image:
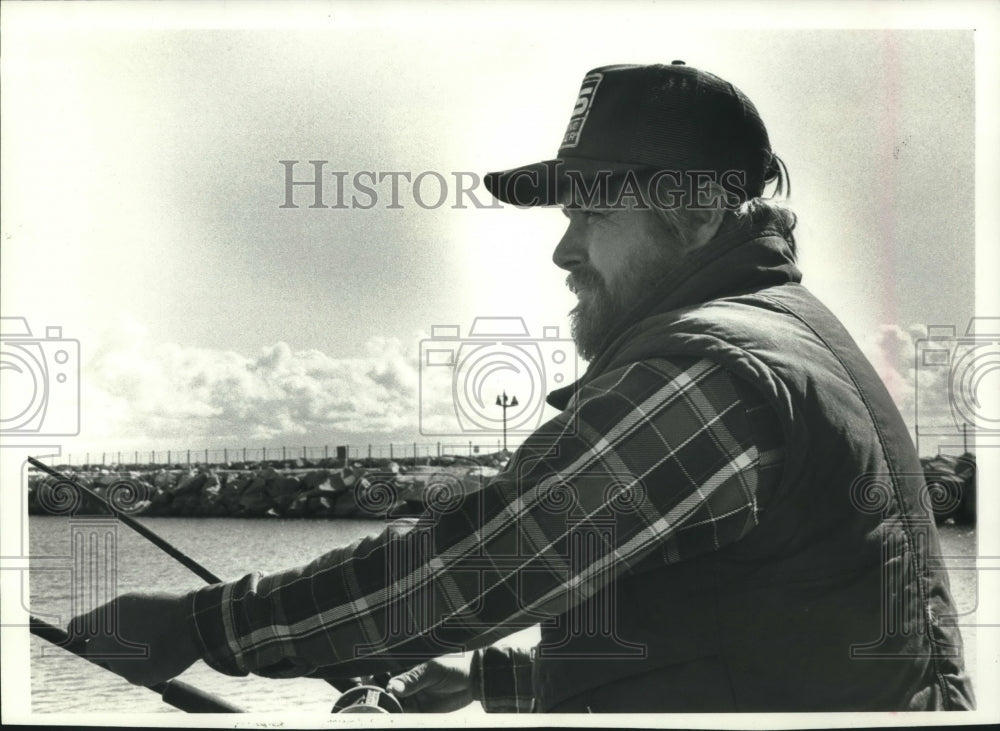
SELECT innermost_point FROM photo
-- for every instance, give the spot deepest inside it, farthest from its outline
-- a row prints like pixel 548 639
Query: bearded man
pixel 727 515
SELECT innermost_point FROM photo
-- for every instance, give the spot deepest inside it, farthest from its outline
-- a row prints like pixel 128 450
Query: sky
pixel 143 201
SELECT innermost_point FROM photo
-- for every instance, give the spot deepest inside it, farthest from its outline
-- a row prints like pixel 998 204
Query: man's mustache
pixel 583 278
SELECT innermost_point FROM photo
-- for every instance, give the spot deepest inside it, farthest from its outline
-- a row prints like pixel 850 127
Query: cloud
pixel 920 387
pixel 139 393
pixel 137 390
pixel 891 350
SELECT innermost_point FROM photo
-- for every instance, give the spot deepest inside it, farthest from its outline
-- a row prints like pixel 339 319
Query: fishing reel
pixel 367 696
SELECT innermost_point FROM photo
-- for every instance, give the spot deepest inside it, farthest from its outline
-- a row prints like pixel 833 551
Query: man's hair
pixel 755 213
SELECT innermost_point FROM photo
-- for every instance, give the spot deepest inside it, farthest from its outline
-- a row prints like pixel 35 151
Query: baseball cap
pixel 646 119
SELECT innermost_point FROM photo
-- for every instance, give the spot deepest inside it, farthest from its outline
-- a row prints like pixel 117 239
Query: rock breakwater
pixel 352 492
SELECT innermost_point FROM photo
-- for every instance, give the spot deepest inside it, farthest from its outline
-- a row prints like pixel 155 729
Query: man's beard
pixel 600 313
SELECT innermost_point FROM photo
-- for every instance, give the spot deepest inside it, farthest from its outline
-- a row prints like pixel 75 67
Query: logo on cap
pixel 588 90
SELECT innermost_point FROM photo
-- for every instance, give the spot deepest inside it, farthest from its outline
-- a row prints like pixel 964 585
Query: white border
pixel 983 16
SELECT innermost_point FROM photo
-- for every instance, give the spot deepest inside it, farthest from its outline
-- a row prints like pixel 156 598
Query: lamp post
pixel 505 404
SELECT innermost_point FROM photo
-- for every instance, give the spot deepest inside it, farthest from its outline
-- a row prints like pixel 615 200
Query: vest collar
pixel 742 258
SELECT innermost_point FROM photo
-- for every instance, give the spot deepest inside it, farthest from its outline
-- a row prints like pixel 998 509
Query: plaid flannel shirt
pixel 676 453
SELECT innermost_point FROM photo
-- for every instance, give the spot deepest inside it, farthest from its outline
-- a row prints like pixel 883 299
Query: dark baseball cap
pixel 647 119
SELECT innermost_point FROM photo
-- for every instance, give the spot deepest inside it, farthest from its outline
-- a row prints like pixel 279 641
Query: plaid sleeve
pixel 661 451
pixel 501 679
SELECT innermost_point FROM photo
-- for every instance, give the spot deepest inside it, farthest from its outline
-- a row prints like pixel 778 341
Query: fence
pixel 404 452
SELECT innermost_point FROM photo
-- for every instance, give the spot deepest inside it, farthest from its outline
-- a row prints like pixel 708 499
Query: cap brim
pixel 550 182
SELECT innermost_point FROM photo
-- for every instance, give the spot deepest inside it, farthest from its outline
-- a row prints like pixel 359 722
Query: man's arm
pixel 657 446
pixel 664 448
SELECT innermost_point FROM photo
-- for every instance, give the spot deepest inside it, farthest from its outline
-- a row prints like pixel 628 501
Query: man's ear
pixel 703 223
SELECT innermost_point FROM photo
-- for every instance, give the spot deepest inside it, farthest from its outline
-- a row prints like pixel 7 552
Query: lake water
pixel 231 547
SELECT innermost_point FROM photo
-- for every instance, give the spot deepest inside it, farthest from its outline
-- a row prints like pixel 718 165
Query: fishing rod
pixel 352 700
pixel 175 692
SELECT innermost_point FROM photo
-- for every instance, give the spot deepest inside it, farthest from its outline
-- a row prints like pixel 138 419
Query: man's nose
pixel 570 251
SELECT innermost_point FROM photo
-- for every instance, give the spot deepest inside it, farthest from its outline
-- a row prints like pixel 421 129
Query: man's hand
pixel 439 686
pixel 145 638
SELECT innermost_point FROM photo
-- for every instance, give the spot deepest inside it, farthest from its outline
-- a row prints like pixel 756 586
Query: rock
pixel 476 478
pixel 282 490
pixel 297 507
pixel 160 501
pixel 951 482
pixel 106 479
pixel 321 507
pixel 141 508
pixel 314 479
pixel 190 483
pixel 229 495
pixel 210 493
pixel 255 500
pixel 344 506
pixel 351 475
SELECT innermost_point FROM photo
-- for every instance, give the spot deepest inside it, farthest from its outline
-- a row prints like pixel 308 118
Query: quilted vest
pixel 833 601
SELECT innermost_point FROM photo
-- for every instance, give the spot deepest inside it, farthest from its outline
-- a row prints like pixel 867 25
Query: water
pixel 231 547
